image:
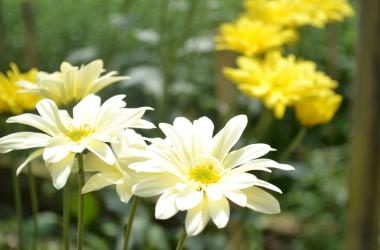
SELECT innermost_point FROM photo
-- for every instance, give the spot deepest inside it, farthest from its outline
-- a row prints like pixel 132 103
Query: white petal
pixel 23 140
pixel 262 164
pixel 166 205
pixel 228 136
pixel 202 135
pixel 267 185
pixel 188 198
pixel 85 112
pixel 233 181
pixel 49 111
pixel 245 154
pixel 154 186
pixel 214 192
pixel 36 122
pixel 219 211
pixel 124 190
pixel 236 196
pixel 30 158
pixel 261 201
pixel 197 218
pixel 60 171
pixel 101 180
pixel 102 150
pixel 56 150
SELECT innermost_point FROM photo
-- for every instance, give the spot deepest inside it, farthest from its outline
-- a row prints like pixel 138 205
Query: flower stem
pixel 81 204
pixel 182 239
pixel 131 217
pixel 66 217
pixel 293 144
pixel 34 200
pixel 18 204
pixel 264 123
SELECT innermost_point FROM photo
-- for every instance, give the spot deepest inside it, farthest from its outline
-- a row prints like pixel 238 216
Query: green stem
pixel 18 204
pixel 66 216
pixel 182 239
pixel 81 203
pixel 263 125
pixel 129 225
pixel 34 200
pixel 293 144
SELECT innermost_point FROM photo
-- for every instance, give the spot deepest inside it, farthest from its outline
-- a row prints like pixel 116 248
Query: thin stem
pixel 66 217
pixel 129 225
pixel 34 200
pixel 182 239
pixel 81 203
pixel 293 144
pixel 18 204
pixel 263 125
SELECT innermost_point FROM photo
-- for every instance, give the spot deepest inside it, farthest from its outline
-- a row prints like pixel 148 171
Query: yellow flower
pixel 317 109
pixel 293 13
pixel 12 101
pixel 252 37
pixel 278 81
pixel 72 84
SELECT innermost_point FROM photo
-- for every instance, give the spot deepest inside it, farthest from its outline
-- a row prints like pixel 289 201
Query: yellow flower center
pixel 77 134
pixel 204 174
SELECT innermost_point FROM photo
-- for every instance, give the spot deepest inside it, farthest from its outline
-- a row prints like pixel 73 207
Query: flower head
pixel 317 109
pixel 11 100
pixel 252 37
pixel 71 84
pixel 194 171
pixel 292 13
pixel 92 126
pixel 278 81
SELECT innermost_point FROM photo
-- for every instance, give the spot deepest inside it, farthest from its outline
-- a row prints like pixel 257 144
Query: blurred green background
pixel 166 46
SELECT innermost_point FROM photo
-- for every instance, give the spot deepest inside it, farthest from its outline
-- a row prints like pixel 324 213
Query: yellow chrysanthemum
pixel 252 37
pixel 293 13
pixel 12 101
pixel 278 81
pixel 317 109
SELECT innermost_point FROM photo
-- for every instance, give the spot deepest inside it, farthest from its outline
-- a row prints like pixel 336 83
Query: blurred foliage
pixel 166 46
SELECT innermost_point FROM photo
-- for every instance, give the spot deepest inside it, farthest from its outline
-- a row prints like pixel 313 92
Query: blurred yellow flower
pixel 72 84
pixel 252 37
pixel 278 81
pixel 293 13
pixel 12 101
pixel 317 109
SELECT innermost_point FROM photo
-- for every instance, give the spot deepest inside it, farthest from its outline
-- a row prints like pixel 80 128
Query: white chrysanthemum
pixel 93 126
pixel 71 84
pixel 194 171
pixel 128 149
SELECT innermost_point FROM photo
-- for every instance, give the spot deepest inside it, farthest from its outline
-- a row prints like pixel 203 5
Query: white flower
pixel 196 172
pixel 128 149
pixel 93 126
pixel 71 84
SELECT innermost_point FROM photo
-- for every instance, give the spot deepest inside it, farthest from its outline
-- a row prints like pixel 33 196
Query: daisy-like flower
pixel 194 171
pixel 278 81
pixel 11 100
pixel 71 84
pixel 93 126
pixel 251 37
pixel 129 148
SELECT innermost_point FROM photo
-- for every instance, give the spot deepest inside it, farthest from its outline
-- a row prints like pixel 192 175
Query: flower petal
pixel 197 218
pixel 219 211
pixel 262 164
pixel 30 158
pixel 102 150
pixel 124 190
pixel 261 201
pixel 236 196
pixel 153 186
pixel 245 154
pixel 233 181
pixel 85 112
pixel 50 112
pixel 23 140
pixel 188 197
pixel 166 205
pixel 101 180
pixel 34 121
pixel 60 171
pixel 228 136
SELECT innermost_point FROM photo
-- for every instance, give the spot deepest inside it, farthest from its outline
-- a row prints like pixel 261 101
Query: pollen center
pixel 204 173
pixel 77 134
